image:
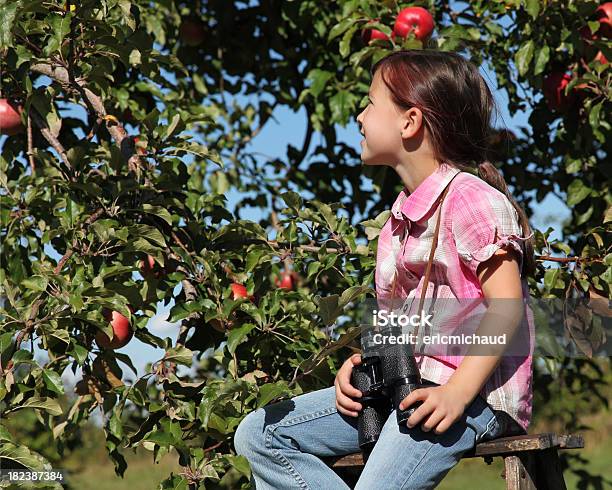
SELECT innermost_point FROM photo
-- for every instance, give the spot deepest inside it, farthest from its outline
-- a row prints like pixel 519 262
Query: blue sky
pixel 287 127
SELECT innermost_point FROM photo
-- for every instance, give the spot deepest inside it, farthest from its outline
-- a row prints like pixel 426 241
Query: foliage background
pixel 104 201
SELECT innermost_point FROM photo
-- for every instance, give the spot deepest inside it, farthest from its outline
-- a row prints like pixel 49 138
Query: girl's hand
pixel 344 388
pixel 442 406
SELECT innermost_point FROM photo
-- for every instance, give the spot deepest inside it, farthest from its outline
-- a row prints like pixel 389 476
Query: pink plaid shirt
pixel 476 221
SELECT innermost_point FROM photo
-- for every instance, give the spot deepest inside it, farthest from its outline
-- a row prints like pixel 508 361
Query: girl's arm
pixel 499 278
pixel 443 405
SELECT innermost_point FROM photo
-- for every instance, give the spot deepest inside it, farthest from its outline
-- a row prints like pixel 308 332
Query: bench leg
pixel 520 472
pixel 550 473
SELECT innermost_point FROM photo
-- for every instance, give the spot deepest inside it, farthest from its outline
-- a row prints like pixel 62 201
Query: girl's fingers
pixel 443 426
pixel 346 412
pixel 419 414
pixel 344 381
pixel 346 402
pixel 432 421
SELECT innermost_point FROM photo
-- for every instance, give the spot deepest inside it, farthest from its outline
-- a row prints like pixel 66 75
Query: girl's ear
pixel 412 119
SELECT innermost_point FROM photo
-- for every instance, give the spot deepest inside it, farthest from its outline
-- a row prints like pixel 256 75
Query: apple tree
pixel 130 122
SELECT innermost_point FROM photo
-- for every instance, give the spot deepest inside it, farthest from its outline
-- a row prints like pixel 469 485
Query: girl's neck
pixel 412 174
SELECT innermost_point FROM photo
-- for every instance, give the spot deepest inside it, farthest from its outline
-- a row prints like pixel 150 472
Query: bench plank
pixel 496 447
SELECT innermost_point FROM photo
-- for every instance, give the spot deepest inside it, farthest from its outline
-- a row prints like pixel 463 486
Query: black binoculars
pixel 387 374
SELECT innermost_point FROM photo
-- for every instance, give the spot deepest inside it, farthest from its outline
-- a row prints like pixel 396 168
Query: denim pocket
pixel 481 418
pixel 495 428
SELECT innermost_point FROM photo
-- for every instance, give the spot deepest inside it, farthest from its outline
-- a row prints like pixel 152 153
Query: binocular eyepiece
pixel 385 379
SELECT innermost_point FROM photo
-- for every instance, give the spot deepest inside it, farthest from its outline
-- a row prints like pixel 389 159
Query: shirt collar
pixel 413 206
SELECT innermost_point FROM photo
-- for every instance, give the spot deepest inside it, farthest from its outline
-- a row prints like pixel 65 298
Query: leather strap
pixel 432 252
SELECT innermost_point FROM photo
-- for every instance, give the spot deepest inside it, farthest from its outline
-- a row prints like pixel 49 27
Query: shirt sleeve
pixel 482 223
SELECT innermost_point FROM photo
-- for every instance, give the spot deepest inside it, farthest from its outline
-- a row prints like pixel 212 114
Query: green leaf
pixel 541 60
pixel 328 308
pixel 6 341
pixel 24 456
pixel 270 391
pixel 240 464
pixel 173 124
pixel 292 200
pixel 352 294
pixel 319 80
pixel 5 435
pixel 60 27
pixel 35 283
pixel 345 43
pixel 158 211
pixel 550 278
pixel 135 58
pixel 79 353
pixel 149 232
pixel 53 381
pixel 524 56
pixel 115 426
pixel 237 336
pixel 161 438
pixel 533 7
pixel 577 192
pixel 253 258
pixel 341 27
pixel 8 12
pixel 174 482
pixel 339 105
pixel 594 115
pixel 373 226
pixel 180 355
pixel 43 403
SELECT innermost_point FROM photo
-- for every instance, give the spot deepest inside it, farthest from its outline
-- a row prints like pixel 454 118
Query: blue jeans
pixel 284 442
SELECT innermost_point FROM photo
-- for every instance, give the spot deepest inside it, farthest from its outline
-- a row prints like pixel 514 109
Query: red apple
pixel 10 117
pixel 239 291
pixel 285 281
pixel 415 19
pixel 604 16
pixel 368 35
pixel 554 90
pixel 122 330
pixel 601 58
pixel 139 149
pixel 191 31
pixel 148 267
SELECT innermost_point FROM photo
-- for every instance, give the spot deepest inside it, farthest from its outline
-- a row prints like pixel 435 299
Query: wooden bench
pixel 530 461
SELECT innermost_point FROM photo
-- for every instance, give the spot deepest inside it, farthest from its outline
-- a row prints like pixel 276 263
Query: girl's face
pixel 381 125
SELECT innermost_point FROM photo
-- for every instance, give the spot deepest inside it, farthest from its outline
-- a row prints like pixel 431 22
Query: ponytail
pixel 489 173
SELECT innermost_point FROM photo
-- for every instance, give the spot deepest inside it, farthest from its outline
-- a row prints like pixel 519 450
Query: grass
pixel 142 473
pixel 92 469
pixel 595 459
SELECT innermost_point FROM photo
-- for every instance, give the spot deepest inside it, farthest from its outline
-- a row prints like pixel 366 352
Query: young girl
pixel 429 119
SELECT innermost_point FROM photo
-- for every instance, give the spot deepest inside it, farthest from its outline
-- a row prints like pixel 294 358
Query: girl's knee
pixel 249 435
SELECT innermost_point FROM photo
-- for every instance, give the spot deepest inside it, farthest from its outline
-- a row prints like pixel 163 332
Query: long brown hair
pixel 457 106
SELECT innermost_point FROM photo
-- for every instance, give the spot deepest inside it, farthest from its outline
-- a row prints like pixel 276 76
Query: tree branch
pixel 564 260
pixel 53 141
pixel 30 146
pixel 95 105
pixel 99 212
